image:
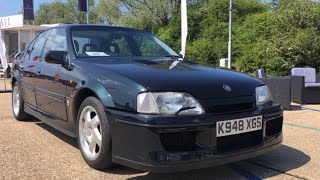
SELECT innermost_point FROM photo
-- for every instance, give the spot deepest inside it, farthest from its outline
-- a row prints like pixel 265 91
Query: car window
pixel 33 52
pixel 122 44
pixel 105 41
pixel 88 44
pixel 57 41
pixel 148 46
pixel 27 51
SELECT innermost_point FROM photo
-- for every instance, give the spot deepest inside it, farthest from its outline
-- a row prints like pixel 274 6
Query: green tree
pixel 63 12
pixel 283 37
pixel 145 14
pixel 209 24
pixel 296 33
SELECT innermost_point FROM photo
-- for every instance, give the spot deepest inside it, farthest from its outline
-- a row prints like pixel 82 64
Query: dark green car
pixel 130 99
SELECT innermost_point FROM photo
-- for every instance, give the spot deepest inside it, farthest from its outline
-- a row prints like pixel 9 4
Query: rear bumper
pixel 171 144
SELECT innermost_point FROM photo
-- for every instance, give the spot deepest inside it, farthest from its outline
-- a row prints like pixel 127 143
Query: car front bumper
pixel 170 144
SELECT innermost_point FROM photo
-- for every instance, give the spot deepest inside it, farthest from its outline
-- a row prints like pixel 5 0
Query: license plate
pixel 238 126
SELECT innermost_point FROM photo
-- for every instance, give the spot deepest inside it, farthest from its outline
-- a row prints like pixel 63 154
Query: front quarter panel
pixel 79 81
pixel 123 90
pixel 114 90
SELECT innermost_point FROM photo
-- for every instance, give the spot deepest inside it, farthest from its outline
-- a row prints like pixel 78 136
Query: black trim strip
pixel 27 86
pixel 50 94
pixel 165 126
pixel 54 122
pixel 44 113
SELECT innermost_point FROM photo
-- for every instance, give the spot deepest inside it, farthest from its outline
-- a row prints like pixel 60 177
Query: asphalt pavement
pixel 34 150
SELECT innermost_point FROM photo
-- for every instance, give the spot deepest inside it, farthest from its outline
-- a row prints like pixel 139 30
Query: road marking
pixel 306 108
pixel 302 126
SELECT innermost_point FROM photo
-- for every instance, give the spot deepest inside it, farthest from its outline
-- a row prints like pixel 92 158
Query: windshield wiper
pixel 173 56
pixel 180 57
pixel 183 109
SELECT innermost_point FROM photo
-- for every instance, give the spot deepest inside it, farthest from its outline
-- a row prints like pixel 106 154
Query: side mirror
pixel 56 57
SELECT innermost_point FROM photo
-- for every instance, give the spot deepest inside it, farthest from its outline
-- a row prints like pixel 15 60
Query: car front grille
pixel 229 105
pixel 231 108
pixel 239 141
pixel 274 126
pixel 179 141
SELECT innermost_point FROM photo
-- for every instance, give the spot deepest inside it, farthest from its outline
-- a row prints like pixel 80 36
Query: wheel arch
pixel 81 96
pixel 13 81
pixel 15 78
pixel 100 93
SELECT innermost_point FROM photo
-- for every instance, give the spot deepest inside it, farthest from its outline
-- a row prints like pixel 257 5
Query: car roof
pixel 94 25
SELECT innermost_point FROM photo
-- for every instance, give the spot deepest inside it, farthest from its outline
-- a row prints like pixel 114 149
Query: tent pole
pixel 230 37
pixel 87 11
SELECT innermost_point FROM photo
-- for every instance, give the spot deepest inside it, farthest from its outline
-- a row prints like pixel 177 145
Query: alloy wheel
pixel 90 132
pixel 16 100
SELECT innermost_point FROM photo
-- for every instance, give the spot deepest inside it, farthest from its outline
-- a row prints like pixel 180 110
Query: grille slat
pixel 229 105
pixel 231 108
pixel 239 141
pixel 179 140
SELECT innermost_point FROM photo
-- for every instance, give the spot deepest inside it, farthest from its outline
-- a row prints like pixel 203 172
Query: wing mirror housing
pixel 56 57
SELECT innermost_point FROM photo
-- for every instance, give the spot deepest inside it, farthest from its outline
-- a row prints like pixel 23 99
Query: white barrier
pixel 3 81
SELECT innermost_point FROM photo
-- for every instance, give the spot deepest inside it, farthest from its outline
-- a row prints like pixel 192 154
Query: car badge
pixel 227 88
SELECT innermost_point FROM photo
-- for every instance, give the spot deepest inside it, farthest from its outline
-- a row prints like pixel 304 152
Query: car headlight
pixel 168 103
pixel 263 95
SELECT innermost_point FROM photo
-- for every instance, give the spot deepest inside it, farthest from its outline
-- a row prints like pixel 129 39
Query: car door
pixel 51 78
pixel 27 66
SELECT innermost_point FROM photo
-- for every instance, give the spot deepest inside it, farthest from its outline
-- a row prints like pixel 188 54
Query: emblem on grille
pixel 227 88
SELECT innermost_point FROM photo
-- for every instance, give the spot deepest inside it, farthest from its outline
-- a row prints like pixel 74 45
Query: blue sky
pixel 13 7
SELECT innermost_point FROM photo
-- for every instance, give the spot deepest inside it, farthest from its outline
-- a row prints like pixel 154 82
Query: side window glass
pixel 35 49
pixel 57 41
pixel 27 51
pixel 79 43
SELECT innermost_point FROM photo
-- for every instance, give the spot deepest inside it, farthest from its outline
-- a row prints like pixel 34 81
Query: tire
pixel 18 104
pixel 93 134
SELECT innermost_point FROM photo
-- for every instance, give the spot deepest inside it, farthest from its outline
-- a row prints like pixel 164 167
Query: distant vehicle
pixel 130 99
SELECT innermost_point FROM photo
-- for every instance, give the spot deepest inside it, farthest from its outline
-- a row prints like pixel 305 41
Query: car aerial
pixel 130 99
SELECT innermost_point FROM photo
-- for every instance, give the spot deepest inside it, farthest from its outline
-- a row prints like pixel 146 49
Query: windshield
pixel 117 42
